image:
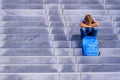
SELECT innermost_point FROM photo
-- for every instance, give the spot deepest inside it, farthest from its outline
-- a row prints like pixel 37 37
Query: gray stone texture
pixel 40 40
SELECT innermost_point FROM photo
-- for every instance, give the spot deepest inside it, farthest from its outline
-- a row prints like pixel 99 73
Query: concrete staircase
pixel 40 40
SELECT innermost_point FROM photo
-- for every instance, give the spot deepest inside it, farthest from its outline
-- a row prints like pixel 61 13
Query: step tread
pixel 99 68
pixel 113 7
pixel 23 24
pixel 52 52
pixel 82 6
pixel 32 76
pixel 27 60
pixel 99 76
pixel 27 52
pixel 98 60
pixel 102 24
pixel 23 18
pixel 79 17
pixel 22 2
pixel 81 2
pixel 83 12
pixel 112 2
pixel 21 6
pixel 22 12
pixel 28 68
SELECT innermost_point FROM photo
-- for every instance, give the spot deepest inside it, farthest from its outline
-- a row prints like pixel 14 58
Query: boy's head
pixel 88 19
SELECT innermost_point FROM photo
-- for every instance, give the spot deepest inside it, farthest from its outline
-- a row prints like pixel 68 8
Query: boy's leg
pixel 94 31
pixel 83 32
pixel 89 31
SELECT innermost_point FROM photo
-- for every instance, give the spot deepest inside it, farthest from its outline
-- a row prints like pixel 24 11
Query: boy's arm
pixel 83 25
pixel 95 24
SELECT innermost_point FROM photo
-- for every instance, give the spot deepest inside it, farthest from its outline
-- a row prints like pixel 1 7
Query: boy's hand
pixel 89 26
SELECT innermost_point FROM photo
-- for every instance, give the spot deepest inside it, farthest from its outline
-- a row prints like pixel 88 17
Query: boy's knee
pixel 83 29
pixel 95 29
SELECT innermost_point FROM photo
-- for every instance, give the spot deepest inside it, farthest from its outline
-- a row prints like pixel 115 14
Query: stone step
pixel 113 7
pixel 77 37
pixel 27 52
pixel 53 37
pixel 112 2
pixel 21 6
pixel 114 12
pixel 79 17
pixel 25 44
pixel 52 2
pixel 100 76
pixel 48 68
pixel 105 52
pixel 97 60
pixel 76 30
pixel 83 12
pixel 82 6
pixel 23 18
pixel 25 37
pixel 99 68
pixel 102 44
pixel 76 24
pixel 60 30
pixel 119 32
pixel 56 44
pixel 76 16
pixel 110 44
pixel 54 12
pixel 117 23
pixel 32 76
pixel 62 44
pixel 23 60
pixel 48 23
pixel 37 60
pixel 21 2
pixel 119 35
pixel 36 52
pixel 23 24
pixel 64 51
pixel 116 18
pixel 55 24
pixel 28 60
pixel 61 68
pixel 101 24
pixel 61 76
pixel 57 18
pixel 63 37
pixel 22 12
pixel 51 6
pixel 88 60
pixel 101 31
pixel 6 30
pixel 81 2
pixel 76 44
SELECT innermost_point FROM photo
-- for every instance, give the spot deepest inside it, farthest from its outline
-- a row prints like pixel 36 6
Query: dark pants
pixel 88 32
